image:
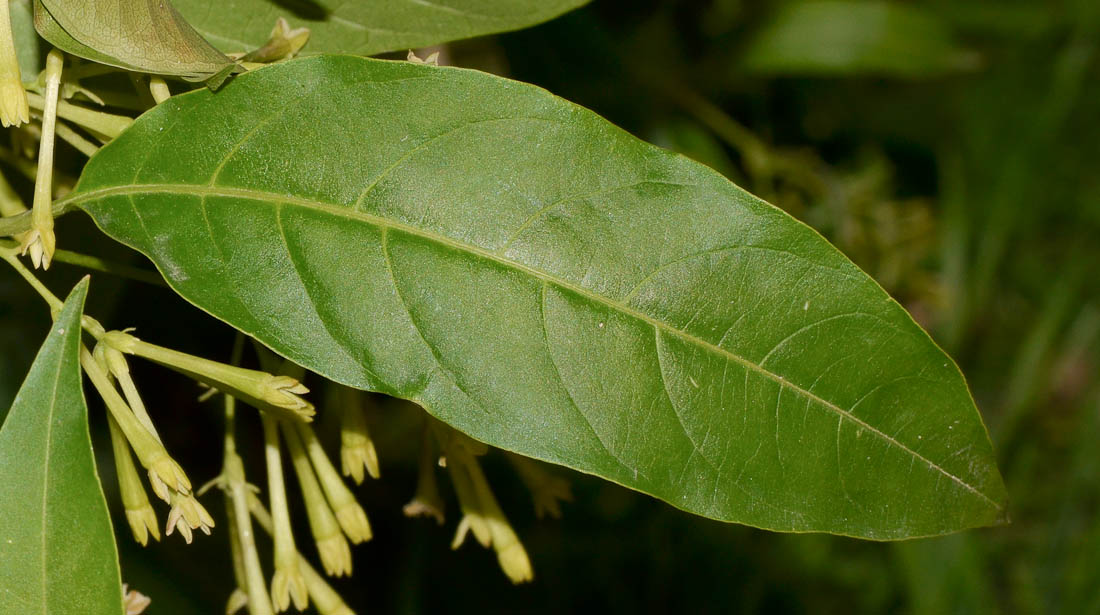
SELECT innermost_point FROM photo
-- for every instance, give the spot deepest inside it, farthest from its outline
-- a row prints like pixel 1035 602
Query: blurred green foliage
pixel 949 148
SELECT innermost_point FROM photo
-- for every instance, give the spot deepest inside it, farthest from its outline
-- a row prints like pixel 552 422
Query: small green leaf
pixel 842 37
pixel 56 542
pixel 550 285
pixel 142 35
pixel 366 27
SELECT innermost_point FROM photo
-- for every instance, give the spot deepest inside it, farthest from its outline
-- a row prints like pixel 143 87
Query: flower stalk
pixel 426 502
pixel 259 603
pixel 115 363
pixel 41 242
pixel 327 601
pixel 103 126
pixel 287 583
pixel 247 567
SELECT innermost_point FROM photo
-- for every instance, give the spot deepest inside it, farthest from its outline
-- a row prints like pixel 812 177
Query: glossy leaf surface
pixel 550 285
pixel 142 35
pixel 56 542
pixel 366 27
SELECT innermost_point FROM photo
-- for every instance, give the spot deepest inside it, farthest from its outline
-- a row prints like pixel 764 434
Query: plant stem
pixel 12 257
pixel 89 324
pixel 98 264
pixel 246 557
pixel 105 126
pixel 74 139
pixel 14 225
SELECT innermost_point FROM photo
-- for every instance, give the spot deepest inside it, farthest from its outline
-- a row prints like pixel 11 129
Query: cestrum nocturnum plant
pixel 535 284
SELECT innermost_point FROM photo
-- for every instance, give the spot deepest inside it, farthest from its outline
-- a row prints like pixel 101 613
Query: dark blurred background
pixel 949 148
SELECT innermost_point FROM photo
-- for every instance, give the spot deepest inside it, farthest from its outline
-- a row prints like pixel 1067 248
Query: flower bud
pixel 288 584
pixel 356 447
pixel 278 394
pixel 331 544
pixel 135 502
pixel 13 98
pixel 350 515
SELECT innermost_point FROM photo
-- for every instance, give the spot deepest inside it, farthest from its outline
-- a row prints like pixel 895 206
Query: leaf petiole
pixel 105 126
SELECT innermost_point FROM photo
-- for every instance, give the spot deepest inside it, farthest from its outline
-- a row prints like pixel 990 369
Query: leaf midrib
pixel 386 223
pixel 46 473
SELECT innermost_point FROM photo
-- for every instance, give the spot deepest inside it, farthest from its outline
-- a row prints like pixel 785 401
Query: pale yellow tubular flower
pixel 188 511
pixel 237 601
pixel 473 517
pixel 41 242
pixel 331 544
pixel 139 513
pixel 456 450
pixel 356 446
pixel 426 502
pixel 327 601
pixel 431 60
pixel 164 472
pixel 510 552
pixel 295 38
pixel 179 525
pixel 278 394
pixel 165 475
pixel 134 602
pixel 287 583
pixel 547 490
pixel 13 98
pixel 350 515
pixel 99 353
pixel 284 43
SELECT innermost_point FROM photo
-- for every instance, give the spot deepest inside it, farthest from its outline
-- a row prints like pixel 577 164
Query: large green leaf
pixel 365 26
pixel 56 545
pixel 855 37
pixel 551 285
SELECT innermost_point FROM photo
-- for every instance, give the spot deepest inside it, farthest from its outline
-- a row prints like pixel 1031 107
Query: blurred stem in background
pixel 1010 195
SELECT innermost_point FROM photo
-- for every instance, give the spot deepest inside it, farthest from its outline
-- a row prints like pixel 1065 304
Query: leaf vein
pixel 384 224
